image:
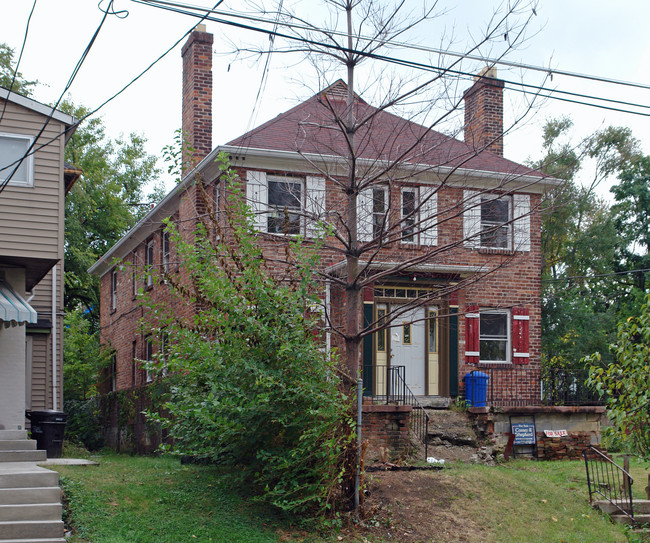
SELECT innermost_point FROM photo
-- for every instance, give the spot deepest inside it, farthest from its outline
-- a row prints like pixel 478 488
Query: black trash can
pixel 48 428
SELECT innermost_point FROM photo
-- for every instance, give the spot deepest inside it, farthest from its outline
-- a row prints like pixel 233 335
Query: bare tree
pixel 368 157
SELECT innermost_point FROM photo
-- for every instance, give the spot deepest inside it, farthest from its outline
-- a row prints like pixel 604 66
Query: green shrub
pixel 256 391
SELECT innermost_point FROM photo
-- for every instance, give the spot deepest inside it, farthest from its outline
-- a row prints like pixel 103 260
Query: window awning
pixel 13 307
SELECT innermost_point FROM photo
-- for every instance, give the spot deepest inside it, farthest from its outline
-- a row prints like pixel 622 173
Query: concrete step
pixel 12 434
pixel 22 456
pixel 39 494
pixel 17 445
pixel 638 519
pixel 28 478
pixel 448 427
pixel 31 529
pixel 641 507
pixel 30 511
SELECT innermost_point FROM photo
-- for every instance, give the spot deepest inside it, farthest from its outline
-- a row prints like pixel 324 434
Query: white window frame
pixel 166 250
pixel 492 228
pixel 275 212
pixel 368 219
pixel 312 201
pixel 114 289
pixel 28 162
pixel 410 219
pixel 148 261
pixel 148 357
pixel 508 338
pixel 518 237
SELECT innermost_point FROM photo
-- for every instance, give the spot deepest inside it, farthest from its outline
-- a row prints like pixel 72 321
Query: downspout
pixel 328 313
pixel 54 330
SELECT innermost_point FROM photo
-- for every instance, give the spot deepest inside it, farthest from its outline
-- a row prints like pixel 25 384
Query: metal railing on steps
pixel 387 385
pixel 608 480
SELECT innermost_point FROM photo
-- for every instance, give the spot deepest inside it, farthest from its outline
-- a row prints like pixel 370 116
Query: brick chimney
pixel 197 95
pixel 484 112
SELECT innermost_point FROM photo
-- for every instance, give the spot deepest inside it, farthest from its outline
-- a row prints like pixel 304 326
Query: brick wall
pixel 484 113
pixel 387 427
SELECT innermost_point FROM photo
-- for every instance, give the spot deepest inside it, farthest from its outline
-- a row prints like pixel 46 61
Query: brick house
pixel 463 232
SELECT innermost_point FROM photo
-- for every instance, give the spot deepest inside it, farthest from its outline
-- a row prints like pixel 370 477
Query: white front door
pixel 407 347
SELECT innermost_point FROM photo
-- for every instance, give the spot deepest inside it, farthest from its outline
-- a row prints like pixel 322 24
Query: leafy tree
pixel 255 392
pixel 9 79
pixel 625 382
pixel 579 241
pixel 632 220
pixel 102 205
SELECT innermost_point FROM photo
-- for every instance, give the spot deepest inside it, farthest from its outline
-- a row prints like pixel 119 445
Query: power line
pixel 171 6
pixel 33 149
pixel 75 71
pixel 22 48
pixel 488 60
pixel 597 276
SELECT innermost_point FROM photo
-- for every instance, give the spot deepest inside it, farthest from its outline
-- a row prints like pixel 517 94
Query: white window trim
pixel 519 226
pixel 312 201
pixel 148 261
pixel 114 289
pixel 28 162
pixel 365 212
pixel 415 216
pixel 505 312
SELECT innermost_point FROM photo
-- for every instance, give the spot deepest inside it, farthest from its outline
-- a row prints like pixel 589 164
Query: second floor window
pixel 286 204
pixel 285 196
pixel 496 214
pixel 12 148
pixel 148 262
pixel 114 289
pixel 166 251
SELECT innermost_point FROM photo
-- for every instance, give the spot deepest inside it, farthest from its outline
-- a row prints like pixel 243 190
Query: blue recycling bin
pixel 476 384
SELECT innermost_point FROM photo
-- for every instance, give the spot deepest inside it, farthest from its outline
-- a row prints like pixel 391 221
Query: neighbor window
pixel 495 213
pixel 494 336
pixel 114 373
pixel 285 196
pixel 379 208
pixel 165 250
pixel 114 289
pixel 12 149
pixel 148 262
pixel 148 356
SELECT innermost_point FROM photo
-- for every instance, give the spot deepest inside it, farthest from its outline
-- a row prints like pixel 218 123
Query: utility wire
pixel 22 48
pixel 160 4
pixel 488 60
pixel 75 71
pixel 597 276
pixel 32 149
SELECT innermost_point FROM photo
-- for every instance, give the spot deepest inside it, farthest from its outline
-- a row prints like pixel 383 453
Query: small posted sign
pixel 524 433
pixel 555 433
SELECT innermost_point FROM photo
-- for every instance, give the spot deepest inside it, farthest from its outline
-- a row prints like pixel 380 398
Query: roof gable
pixel 310 127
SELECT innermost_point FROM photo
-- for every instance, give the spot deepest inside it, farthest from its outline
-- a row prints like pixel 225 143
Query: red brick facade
pixel 463 270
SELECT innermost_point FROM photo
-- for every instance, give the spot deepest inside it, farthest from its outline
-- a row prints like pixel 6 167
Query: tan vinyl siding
pixel 41 399
pixel 42 303
pixel 31 218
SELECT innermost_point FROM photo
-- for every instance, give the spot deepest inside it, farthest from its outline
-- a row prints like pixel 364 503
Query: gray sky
pixel 586 36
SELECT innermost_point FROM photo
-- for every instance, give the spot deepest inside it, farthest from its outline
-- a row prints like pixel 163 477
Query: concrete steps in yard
pixel 641 515
pixel 30 497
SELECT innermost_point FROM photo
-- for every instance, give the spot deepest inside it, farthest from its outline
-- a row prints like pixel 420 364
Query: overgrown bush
pixel 257 392
pixel 626 382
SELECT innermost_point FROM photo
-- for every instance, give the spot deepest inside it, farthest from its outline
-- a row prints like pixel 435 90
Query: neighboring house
pixel 493 321
pixel 32 206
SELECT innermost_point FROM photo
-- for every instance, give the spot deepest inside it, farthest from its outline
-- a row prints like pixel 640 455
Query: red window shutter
pixel 472 322
pixel 520 333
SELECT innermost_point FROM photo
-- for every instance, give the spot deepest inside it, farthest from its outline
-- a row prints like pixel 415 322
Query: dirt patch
pixel 418 506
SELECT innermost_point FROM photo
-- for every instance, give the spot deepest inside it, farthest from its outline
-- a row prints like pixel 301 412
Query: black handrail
pixel 387 384
pixel 609 480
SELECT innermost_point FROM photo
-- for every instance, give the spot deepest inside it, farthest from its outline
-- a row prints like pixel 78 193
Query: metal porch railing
pixel 387 385
pixel 609 480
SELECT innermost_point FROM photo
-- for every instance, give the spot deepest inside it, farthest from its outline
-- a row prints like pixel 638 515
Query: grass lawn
pixel 149 499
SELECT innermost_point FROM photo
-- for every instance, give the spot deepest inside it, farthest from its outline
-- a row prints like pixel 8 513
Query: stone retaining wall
pixel 582 423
